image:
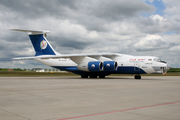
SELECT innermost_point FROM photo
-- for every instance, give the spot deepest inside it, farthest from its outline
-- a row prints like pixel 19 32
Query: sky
pixel 134 27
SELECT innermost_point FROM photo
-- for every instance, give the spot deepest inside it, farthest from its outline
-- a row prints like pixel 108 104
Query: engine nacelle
pixel 93 66
pixel 110 66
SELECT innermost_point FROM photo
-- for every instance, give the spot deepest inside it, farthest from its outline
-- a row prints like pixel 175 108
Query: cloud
pixel 82 26
pixel 117 10
pixel 157 18
pixel 151 43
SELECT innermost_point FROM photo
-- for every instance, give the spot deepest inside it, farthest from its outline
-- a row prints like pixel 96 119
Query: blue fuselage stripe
pixel 121 70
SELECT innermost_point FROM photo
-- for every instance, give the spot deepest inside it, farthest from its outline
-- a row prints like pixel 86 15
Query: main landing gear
pixel 84 76
pixel 137 77
pixel 92 76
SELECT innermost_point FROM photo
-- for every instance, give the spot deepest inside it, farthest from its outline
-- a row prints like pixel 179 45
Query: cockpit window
pixel 158 60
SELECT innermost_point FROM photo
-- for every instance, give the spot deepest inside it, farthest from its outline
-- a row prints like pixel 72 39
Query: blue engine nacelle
pixel 95 66
pixel 110 66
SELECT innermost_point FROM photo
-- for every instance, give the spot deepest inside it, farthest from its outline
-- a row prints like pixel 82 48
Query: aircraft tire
pixel 137 77
pixel 102 76
pixel 93 76
pixel 84 76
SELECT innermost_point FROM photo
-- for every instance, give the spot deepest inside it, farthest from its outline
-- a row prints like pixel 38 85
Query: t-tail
pixel 39 42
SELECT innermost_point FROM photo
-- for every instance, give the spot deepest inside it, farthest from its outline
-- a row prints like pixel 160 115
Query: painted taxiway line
pixel 83 116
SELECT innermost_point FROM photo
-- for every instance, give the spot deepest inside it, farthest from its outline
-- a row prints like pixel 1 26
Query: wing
pixel 78 58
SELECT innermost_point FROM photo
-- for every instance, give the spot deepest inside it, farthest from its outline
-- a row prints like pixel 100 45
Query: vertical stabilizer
pixel 41 45
pixel 39 42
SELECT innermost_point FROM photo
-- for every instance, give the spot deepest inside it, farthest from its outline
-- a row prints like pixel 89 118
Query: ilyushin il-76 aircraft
pixel 93 65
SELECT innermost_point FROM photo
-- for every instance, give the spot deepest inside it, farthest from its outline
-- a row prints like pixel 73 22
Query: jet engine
pixel 110 65
pixel 93 66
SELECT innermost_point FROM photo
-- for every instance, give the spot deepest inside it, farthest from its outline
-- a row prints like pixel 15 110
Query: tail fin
pixel 39 42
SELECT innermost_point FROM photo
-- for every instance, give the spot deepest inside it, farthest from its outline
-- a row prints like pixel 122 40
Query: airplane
pixel 92 65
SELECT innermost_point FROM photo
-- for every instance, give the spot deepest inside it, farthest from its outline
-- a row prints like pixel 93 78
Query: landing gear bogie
pixel 84 76
pixel 92 76
pixel 102 76
pixel 137 77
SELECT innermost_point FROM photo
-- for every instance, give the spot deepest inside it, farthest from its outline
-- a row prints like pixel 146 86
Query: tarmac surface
pixel 72 98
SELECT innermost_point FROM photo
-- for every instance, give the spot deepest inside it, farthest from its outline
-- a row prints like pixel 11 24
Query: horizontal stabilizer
pixel 32 32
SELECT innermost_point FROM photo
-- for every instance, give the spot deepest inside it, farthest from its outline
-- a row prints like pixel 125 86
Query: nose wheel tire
pixel 137 77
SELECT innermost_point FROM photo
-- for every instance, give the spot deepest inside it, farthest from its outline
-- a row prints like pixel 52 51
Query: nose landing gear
pixel 137 77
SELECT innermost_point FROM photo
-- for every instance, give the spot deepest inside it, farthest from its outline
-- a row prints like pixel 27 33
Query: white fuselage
pixel 149 64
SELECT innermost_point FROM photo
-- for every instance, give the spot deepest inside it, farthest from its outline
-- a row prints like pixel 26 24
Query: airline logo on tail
pixel 43 44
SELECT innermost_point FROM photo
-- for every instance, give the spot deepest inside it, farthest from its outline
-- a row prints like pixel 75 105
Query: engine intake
pixel 110 66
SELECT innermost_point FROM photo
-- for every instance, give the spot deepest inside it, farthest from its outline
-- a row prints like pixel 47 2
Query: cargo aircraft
pixel 93 65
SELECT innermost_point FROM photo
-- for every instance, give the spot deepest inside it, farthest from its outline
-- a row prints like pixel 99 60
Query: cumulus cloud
pixel 151 43
pixel 157 18
pixel 84 26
